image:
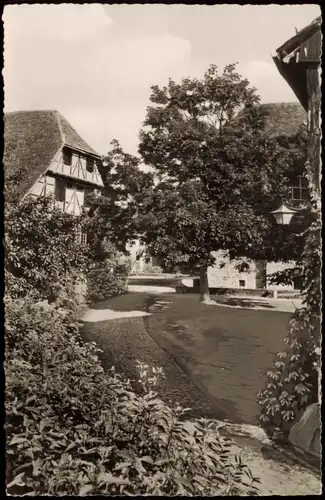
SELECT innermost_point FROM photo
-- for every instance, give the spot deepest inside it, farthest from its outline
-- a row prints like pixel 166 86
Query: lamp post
pixel 283 215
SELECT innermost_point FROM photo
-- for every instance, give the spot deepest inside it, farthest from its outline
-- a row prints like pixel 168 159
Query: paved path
pixel 280 472
pixel 98 315
pixel 151 289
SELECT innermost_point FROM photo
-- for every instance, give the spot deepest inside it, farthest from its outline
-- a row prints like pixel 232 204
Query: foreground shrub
pixel 74 430
pixel 293 383
pixel 107 278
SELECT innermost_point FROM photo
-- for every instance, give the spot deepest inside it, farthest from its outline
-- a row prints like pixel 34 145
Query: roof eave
pixel 84 151
pixel 301 37
pixel 289 73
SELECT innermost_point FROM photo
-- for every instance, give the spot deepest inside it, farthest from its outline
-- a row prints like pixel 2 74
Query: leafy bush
pixel 293 384
pixel 74 430
pixel 41 248
pixel 107 278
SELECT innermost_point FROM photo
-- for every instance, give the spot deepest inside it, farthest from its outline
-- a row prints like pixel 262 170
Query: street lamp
pixel 283 215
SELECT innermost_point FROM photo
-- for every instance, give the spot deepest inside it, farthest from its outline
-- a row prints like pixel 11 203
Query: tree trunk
pixel 204 286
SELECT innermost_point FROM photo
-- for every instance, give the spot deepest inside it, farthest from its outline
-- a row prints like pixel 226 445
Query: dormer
pixel 79 165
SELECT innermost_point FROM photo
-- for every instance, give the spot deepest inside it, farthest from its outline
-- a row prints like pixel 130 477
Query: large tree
pixel 111 219
pixel 217 173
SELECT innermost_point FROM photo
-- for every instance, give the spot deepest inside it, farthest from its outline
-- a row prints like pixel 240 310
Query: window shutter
pixel 69 201
pixel 79 201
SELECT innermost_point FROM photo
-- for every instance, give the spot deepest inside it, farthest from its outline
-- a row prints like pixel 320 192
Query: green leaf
pixel 43 423
pixel 147 459
pixel 124 454
pixel 122 466
pixel 107 478
pixel 37 464
pixel 17 440
pixel 17 481
pixel 86 489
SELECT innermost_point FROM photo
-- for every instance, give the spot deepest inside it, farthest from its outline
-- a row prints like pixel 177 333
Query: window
pixel 89 165
pixel 300 191
pixel 242 283
pixel 67 157
pixel 59 190
pixel 81 238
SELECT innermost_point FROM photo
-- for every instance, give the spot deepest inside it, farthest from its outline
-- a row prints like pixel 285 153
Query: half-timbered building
pixel 49 157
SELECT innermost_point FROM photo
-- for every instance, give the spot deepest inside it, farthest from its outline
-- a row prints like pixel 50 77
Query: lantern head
pixel 283 215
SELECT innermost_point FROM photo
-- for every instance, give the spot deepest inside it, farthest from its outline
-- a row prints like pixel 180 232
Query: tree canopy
pixel 218 174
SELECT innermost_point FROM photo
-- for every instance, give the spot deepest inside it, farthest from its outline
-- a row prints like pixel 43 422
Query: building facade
pixel 50 157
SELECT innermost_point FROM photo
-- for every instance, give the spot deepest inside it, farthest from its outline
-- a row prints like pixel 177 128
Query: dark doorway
pixel 260 273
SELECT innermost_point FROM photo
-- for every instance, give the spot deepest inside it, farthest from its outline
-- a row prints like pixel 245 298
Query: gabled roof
pixel 72 138
pixel 31 140
pixel 278 118
pixel 297 54
pixel 302 36
pixel 283 118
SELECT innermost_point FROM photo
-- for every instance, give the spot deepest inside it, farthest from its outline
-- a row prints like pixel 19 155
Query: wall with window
pixel 73 164
pixel 257 277
pixel 228 276
pixel 69 196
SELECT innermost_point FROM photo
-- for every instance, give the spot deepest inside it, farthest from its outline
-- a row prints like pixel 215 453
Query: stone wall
pixel 228 276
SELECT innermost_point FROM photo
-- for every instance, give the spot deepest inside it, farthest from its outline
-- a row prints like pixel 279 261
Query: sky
pixel 95 63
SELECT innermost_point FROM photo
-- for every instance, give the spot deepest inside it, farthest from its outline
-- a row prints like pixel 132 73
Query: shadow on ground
pixel 243 302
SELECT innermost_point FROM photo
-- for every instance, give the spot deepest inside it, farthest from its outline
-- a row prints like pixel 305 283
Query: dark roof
pixel 283 118
pixel 275 119
pixel 297 54
pixel 299 38
pixel 72 138
pixel 32 138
